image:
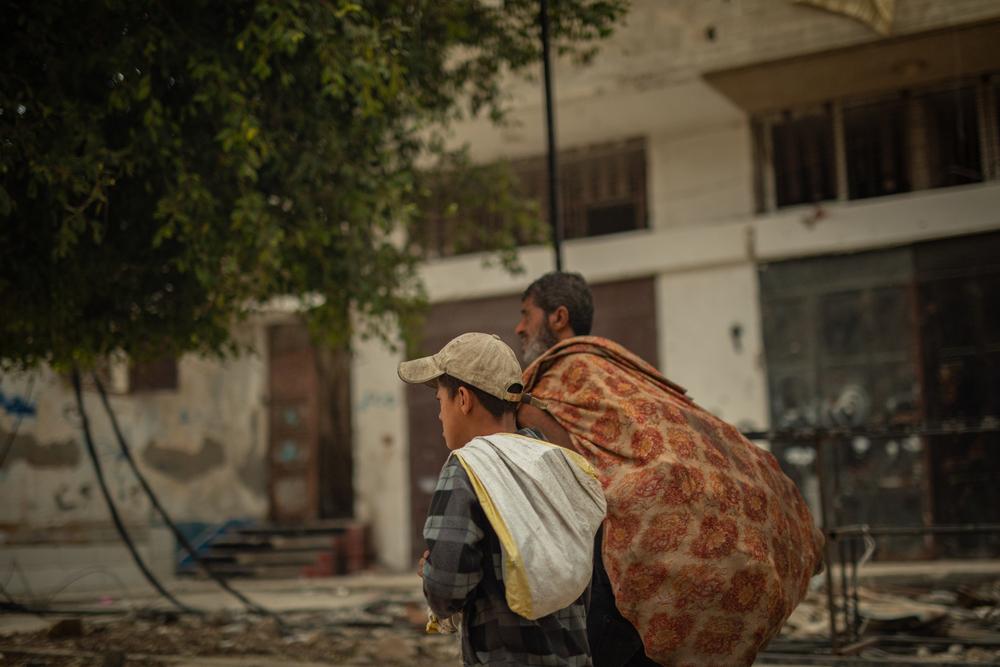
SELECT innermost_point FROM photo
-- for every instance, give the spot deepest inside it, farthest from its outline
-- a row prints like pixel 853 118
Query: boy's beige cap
pixel 481 360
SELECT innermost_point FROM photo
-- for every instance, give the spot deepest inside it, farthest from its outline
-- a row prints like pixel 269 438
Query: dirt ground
pixel 130 641
pixel 380 621
pixel 358 626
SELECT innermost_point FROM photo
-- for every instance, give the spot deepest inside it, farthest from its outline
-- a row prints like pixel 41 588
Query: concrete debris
pixel 935 625
pixel 66 628
pixel 387 632
pixel 373 623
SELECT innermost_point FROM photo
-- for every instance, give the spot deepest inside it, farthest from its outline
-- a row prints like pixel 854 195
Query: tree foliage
pixel 168 167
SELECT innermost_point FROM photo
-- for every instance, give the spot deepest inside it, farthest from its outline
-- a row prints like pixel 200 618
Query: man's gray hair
pixel 564 289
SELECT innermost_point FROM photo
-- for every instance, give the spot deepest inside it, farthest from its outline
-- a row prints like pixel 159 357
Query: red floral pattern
pixel 708 544
pixel 745 591
pixel 716 538
pixel 646 579
pixel 723 493
pixel 666 532
pixel 754 502
pixel 719 634
pixel 607 429
pixel 621 530
pixel 685 485
pixel 682 442
pixel 696 586
pixel 647 444
pixel 666 633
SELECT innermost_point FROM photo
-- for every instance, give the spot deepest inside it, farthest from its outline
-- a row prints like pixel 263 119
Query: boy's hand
pixel 420 565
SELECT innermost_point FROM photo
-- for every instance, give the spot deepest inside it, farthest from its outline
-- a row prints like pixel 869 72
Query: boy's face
pixel 452 416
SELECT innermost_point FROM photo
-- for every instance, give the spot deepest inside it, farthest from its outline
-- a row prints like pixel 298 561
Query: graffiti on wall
pixel 375 400
pixel 16 406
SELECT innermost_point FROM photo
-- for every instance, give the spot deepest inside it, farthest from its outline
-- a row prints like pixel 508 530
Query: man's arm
pixel 454 563
pixel 532 417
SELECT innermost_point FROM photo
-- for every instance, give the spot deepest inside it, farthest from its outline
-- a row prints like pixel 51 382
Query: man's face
pixel 451 416
pixel 534 331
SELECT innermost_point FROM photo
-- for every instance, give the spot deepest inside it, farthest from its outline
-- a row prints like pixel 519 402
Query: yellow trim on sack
pixel 575 457
pixel 518 591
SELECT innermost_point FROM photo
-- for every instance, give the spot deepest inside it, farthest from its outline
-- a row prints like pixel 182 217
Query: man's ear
pixel 559 321
pixel 464 397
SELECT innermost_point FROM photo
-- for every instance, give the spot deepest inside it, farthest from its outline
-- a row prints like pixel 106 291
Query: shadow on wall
pixel 182 465
pixel 57 454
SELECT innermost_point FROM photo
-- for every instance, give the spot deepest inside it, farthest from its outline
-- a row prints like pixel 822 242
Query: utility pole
pixel 554 219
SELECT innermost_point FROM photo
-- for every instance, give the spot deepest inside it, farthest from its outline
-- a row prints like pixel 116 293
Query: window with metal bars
pixel 602 190
pixel 155 375
pixel 803 158
pixel 900 142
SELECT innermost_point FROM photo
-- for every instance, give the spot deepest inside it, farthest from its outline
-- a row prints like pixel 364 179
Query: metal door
pixel 293 424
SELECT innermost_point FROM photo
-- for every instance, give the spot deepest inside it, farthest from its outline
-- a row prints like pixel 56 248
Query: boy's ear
pixel 465 399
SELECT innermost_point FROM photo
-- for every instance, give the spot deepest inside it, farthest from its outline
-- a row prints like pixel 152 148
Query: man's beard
pixel 539 345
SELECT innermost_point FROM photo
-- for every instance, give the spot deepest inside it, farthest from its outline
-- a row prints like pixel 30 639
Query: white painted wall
pixel 702 177
pixel 696 312
pixel 381 452
pixel 881 222
pixel 215 400
pixel 647 79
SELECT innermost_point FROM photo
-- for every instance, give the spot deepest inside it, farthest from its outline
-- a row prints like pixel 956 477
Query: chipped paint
pixel 16 406
pixel 181 464
pixel 56 454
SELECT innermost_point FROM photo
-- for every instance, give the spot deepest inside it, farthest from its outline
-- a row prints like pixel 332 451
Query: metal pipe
pixel 914 531
pixel 820 463
pixel 845 597
pixel 554 219
pixel 856 617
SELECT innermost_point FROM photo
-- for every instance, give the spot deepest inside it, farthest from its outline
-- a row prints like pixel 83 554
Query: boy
pixel 512 521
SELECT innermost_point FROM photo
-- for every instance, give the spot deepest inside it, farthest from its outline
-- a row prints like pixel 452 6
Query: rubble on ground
pixel 388 632
pixel 920 622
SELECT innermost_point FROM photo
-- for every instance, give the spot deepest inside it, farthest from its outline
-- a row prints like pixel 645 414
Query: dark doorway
pixel 309 435
pixel 842 351
pixel 905 340
pixel 959 286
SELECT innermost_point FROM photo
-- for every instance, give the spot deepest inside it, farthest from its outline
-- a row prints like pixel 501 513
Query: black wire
pixel 181 538
pixel 119 526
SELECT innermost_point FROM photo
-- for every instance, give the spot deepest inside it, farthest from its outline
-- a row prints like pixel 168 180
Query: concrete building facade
pixel 705 88
pixel 768 134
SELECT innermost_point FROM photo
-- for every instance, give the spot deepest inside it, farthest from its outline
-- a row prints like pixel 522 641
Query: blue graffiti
pixel 16 406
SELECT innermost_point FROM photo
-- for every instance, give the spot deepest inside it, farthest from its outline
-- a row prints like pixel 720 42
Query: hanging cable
pixel 181 538
pixel 119 526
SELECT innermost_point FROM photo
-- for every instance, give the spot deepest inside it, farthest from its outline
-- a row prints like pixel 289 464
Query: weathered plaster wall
pixel 709 327
pixel 202 447
pixel 381 464
pixel 647 77
pixel 705 176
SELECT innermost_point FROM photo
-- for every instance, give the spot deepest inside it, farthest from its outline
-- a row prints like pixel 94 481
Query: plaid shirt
pixel 464 573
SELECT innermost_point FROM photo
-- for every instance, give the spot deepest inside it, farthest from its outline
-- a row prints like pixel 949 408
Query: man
pixel 511 523
pixel 708 546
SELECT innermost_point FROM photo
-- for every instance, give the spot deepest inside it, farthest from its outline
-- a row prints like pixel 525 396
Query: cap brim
pixel 419 371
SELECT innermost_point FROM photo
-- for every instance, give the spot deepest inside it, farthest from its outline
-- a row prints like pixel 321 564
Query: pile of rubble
pixel 388 632
pixel 919 622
